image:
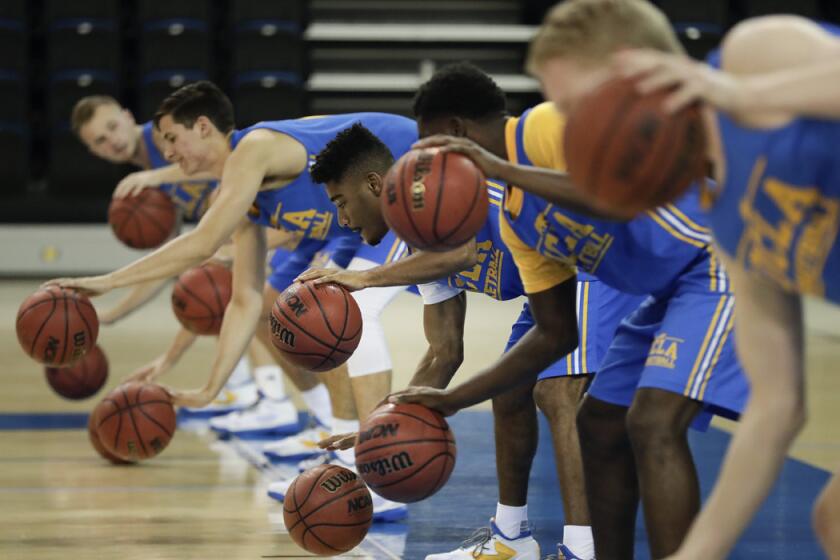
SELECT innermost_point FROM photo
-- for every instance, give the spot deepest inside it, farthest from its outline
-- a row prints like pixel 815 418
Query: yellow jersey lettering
pixel 664 351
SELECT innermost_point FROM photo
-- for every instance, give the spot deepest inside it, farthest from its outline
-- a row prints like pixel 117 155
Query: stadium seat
pixel 268 46
pixel 89 44
pixel 73 170
pixel 14 158
pixel 262 96
pixel 55 10
pixel 806 8
pixel 155 86
pixel 288 10
pixel 15 10
pixel 174 44
pixel 155 10
pixel 698 38
pixel 13 45
pixel 690 11
pixel 65 88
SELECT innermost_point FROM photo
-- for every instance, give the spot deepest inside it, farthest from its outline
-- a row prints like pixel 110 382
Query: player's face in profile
pixel 565 81
pixel 183 146
pixel 110 134
pixel 357 202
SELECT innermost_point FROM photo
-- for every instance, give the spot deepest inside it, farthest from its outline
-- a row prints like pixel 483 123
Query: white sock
pixel 511 520
pixel 270 382
pixel 578 539
pixel 317 400
pixel 241 374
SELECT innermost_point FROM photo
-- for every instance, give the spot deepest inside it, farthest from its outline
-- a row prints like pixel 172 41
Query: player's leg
pixel 827 518
pixel 690 370
pixel 608 461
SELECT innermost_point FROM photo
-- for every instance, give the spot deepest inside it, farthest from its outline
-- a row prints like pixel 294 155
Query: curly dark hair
pixel 461 90
pixel 353 149
pixel 194 100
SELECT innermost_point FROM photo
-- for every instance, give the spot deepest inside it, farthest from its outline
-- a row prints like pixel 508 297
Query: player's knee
pixel 649 428
pixel 600 425
pixel 556 397
pixel 826 520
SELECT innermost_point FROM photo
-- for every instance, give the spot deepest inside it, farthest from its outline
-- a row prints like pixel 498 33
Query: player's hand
pixel 88 285
pixel 437 399
pixel 353 280
pixel 490 164
pixel 339 442
pixel 149 372
pixel 133 183
pixel 692 81
pixel 193 399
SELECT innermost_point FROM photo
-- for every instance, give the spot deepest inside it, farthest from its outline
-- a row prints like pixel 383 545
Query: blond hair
pixel 86 107
pixel 592 30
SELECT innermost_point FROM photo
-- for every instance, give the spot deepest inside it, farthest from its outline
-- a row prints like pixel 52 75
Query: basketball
pixel 82 379
pixel 328 510
pixel 57 326
pixel 627 154
pixel 143 221
pixel 200 297
pixel 435 200
pixel 97 445
pixel 135 421
pixel 316 327
pixel 405 452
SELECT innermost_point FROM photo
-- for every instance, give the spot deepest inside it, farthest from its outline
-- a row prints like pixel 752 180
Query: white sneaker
pixel 489 543
pixel 229 400
pixel 264 418
pixel 297 447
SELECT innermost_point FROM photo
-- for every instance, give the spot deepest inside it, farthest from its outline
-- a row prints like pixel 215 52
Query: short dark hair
pixel 461 90
pixel 352 150
pixel 194 100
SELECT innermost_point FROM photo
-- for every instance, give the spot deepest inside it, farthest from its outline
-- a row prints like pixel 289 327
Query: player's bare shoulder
pixel 282 157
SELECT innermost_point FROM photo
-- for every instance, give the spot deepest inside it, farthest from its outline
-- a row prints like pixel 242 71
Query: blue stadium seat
pixel 698 39
pixel 14 40
pixel 74 171
pixel 14 157
pixel 153 10
pixel 83 43
pixel 15 10
pixel 807 8
pixel 260 96
pixel 55 10
pixel 173 44
pixel 714 12
pixel 268 46
pixel 155 86
pixel 14 97
pixel 67 87
pixel 288 10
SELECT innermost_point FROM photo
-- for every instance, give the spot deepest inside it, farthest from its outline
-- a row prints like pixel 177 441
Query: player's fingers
pixel 656 81
pixel 632 63
pixel 682 98
pixel 437 140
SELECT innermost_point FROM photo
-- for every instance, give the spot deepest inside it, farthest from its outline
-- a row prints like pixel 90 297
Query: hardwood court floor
pixel 202 499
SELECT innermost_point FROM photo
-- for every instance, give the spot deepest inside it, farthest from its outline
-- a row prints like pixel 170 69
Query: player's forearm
pixel 522 364
pixel 183 252
pixel 436 369
pixel 182 342
pixel 422 267
pixel 238 327
pixel 553 186
pixel 812 90
pixel 136 298
pixel 174 174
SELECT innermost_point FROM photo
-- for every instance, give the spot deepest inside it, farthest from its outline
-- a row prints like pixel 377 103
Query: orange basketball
pixel 435 200
pixel 143 221
pixel 200 297
pixel 405 452
pixel 316 327
pixel 97 445
pixel 57 326
pixel 327 510
pixel 135 421
pixel 627 154
pixel 82 379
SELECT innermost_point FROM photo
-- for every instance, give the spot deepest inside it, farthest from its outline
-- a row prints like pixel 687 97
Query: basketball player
pixel 773 120
pixel 671 364
pixel 352 168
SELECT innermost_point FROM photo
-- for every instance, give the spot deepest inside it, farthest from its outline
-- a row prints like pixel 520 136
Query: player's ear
pixel 457 126
pixel 203 124
pixel 375 183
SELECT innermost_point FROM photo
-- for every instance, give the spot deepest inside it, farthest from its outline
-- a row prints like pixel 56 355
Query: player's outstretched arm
pixel 241 315
pixel 165 362
pixel 553 336
pixel 443 324
pixel 133 183
pixel 133 300
pixel 768 326
pixel 418 268
pixel 252 161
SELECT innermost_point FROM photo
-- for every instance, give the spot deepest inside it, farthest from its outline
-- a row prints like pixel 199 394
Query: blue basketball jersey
pixel 192 197
pixel 303 205
pixel 646 255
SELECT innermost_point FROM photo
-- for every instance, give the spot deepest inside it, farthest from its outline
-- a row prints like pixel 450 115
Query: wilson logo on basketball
pixel 378 431
pixel 79 344
pixel 281 333
pixel 51 349
pixel 385 466
pixel 359 504
pixel 418 187
pixel 295 304
pixel 336 481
